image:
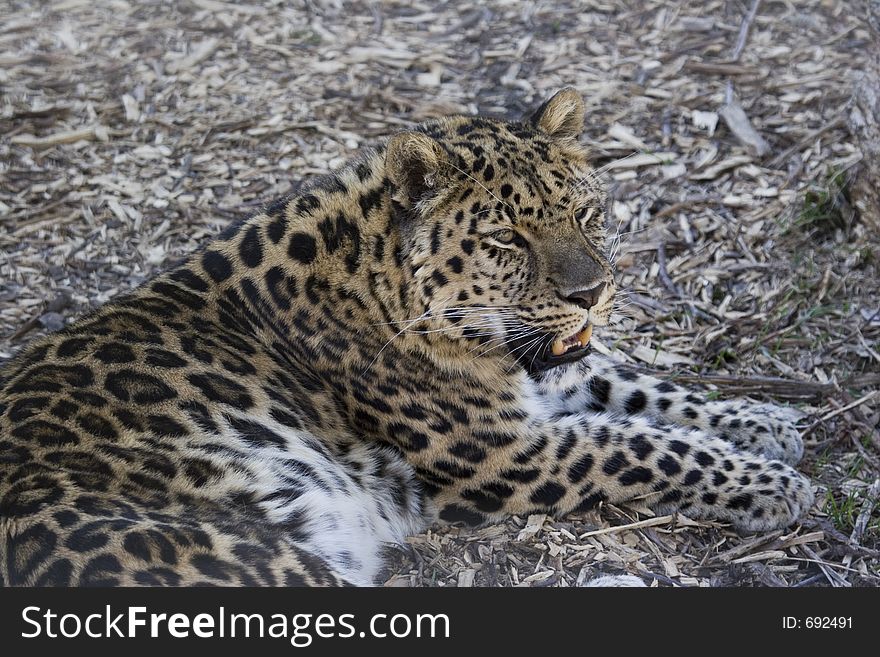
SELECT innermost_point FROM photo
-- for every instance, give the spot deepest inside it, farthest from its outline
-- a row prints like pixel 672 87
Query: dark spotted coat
pixel 333 373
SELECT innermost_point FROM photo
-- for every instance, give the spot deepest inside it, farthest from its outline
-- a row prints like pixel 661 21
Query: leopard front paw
pixel 763 429
pixel 772 498
pixel 751 493
pixel 788 498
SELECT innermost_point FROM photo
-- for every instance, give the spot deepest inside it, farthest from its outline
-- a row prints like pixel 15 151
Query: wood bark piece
pixel 863 121
pixel 735 118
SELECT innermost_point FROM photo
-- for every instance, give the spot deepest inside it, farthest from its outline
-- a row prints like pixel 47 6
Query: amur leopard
pixel 406 340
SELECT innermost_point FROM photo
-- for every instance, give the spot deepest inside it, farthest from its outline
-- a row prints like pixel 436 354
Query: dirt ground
pixel 130 132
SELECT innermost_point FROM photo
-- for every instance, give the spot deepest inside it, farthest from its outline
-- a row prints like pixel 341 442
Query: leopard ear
pixel 415 164
pixel 562 116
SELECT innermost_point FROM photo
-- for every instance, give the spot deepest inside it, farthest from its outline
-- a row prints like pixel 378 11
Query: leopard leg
pixel 320 520
pixel 577 461
pixel 68 546
pixel 598 384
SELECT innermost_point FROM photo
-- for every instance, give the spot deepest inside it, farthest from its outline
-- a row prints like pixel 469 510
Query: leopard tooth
pixel 584 336
pixel 557 348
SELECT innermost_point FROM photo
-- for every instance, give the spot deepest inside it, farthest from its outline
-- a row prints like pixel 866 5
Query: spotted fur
pixel 351 363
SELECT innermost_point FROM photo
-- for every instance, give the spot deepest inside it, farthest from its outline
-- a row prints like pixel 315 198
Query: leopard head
pixel 504 231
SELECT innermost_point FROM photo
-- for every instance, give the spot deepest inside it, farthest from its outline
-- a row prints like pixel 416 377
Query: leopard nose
pixel 586 299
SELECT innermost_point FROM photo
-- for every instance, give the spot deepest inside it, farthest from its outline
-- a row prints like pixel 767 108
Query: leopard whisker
pixel 391 339
pixel 440 312
pixel 506 339
pixel 536 342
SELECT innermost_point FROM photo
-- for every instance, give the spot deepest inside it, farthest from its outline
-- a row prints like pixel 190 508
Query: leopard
pixel 406 340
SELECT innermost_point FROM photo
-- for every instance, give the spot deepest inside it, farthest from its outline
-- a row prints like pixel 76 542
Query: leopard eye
pixel 584 213
pixel 506 236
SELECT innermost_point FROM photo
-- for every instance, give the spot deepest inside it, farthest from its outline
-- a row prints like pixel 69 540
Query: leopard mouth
pixel 551 351
pixel 579 340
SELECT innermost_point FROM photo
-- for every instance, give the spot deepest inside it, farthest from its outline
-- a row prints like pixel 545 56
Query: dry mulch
pixel 132 131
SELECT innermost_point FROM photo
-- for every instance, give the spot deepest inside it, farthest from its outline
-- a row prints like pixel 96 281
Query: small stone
pixel 51 321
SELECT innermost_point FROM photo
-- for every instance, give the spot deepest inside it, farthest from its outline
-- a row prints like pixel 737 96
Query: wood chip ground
pixel 130 132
